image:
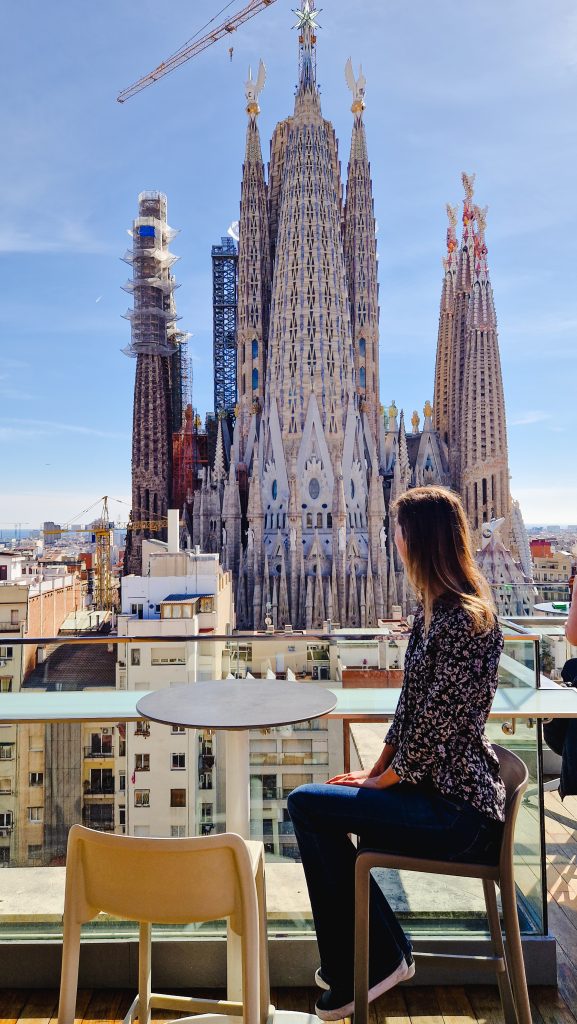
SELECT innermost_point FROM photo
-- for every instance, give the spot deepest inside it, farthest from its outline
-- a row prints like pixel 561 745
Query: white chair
pixel 168 881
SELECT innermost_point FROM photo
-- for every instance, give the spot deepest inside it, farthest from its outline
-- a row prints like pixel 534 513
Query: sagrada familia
pixel 298 498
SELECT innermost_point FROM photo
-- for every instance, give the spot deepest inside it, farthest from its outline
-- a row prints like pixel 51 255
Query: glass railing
pixel 145 779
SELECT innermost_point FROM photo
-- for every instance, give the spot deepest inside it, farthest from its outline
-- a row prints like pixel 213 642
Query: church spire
pixel 484 458
pixel 445 338
pixel 253 260
pixel 463 284
pixel 361 257
pixel 307 28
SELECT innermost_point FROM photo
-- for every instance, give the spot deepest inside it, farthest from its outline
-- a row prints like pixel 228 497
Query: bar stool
pixel 507 963
pixel 169 881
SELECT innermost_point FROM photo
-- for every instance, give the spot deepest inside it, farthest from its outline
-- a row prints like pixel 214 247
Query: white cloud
pixel 48 426
pixel 527 418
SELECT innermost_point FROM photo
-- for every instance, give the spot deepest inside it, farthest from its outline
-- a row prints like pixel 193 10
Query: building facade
pixel 298 501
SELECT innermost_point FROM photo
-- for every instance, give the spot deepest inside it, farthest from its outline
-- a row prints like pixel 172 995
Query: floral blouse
pixel 439 725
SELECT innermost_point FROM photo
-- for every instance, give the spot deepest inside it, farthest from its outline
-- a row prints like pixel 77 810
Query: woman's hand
pixel 349 778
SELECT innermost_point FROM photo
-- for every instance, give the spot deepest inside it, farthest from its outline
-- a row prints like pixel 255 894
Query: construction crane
pixel 196 46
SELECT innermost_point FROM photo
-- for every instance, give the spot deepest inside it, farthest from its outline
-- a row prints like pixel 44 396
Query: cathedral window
pixel 255 379
pixel 362 346
pixel 310 520
pixel 329 519
pixel 254 348
pixel 363 377
pixel 314 488
pixel 274 490
pixel 352 489
pixel 319 519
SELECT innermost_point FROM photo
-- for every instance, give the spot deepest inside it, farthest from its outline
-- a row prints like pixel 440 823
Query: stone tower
pixel 308 435
pixel 361 259
pixel 154 342
pixel 484 463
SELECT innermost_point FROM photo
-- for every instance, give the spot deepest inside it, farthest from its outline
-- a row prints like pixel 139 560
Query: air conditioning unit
pixel 105 732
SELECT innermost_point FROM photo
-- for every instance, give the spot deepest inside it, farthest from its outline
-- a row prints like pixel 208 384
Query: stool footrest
pixel 496 964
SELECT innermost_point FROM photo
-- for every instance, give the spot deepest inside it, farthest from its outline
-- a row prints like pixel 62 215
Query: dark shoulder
pixel 452 623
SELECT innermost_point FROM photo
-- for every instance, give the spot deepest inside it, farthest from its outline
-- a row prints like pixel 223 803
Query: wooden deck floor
pixel 426 1005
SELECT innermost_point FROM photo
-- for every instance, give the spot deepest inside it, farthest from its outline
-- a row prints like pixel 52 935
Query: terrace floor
pixel 411 1005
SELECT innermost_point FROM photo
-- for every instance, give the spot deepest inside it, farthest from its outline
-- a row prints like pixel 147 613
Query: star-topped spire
pixel 307 27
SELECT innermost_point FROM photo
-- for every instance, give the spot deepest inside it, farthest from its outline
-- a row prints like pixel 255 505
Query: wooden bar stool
pixel 169 881
pixel 506 961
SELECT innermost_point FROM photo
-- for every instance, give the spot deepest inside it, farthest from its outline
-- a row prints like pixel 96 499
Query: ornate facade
pixel 298 503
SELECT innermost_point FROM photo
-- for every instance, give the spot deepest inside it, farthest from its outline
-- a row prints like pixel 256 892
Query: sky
pixel 488 88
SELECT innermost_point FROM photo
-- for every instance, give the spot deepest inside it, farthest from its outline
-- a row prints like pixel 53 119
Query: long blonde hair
pixel 439 555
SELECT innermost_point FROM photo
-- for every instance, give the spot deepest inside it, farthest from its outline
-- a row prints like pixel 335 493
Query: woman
pixel 435 790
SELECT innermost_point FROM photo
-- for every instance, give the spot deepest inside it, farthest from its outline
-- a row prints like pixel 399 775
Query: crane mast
pixel 196 47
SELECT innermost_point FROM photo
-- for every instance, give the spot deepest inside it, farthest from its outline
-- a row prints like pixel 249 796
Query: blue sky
pixel 488 88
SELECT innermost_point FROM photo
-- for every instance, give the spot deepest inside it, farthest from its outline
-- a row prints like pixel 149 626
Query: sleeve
pixel 463 685
pixel 392 736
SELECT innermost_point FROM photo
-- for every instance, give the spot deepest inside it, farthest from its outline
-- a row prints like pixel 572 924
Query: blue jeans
pixel 404 819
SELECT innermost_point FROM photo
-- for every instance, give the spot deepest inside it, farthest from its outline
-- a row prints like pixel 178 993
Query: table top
pixel 237 703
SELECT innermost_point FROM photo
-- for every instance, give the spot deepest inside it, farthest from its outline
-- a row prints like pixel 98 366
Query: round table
pixel 237 705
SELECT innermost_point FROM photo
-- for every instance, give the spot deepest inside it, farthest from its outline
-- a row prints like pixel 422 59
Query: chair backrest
pixel 515 776
pixel 162 881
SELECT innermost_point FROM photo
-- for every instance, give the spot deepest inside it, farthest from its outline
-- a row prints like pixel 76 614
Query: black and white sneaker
pixel 321 981
pixel 335 1004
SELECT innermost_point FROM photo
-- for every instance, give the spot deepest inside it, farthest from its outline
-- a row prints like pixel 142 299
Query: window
pixel 5 785
pixel 314 488
pixel 6 652
pixel 309 519
pixel 13 616
pixel 178 798
pixel 35 851
pixel 6 819
pixel 36 779
pixel 255 379
pixel 122 782
pixel 35 815
pixel 177 761
pixel 206 812
pixel 6 751
pixel 254 348
pixel 137 608
pixel 178 730
pixel 5 684
pixel 362 346
pixel 142 762
pixel 274 490
pixel 142 798
pixel 135 656
pixel 363 377
pixel 177 831
pixel 122 814
pixel 142 729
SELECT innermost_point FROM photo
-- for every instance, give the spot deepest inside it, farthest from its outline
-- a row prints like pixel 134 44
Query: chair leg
pixel 362 894
pixel 69 972
pixel 266 1009
pixel 503 979
pixel 514 948
pixel 144 972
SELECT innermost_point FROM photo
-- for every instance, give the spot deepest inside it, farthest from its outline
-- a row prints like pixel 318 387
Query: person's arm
pixel 358 777
pixel 464 682
pixel 571 624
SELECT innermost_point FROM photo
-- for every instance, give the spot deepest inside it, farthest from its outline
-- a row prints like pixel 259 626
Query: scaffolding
pixel 224 304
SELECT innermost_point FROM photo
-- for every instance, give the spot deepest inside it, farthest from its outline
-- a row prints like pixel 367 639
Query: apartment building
pixel 168 781
pixel 30 607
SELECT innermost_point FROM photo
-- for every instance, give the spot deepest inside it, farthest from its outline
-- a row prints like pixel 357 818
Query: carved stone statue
pixel 428 410
pixel 415 420
pixel 489 530
pixel 452 215
pixel 481 218
pixel 468 184
pixel 253 89
pixel 357 87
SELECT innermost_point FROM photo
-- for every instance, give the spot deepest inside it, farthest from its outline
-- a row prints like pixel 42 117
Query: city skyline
pixel 65 419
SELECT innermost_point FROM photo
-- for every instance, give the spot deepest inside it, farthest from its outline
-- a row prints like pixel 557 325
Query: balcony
pixel 432 913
